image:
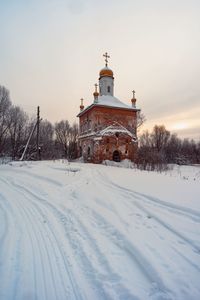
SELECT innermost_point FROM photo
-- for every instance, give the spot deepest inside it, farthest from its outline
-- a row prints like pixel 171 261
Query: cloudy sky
pixel 51 53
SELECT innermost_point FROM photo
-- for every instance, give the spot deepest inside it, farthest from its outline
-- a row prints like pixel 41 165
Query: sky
pixel 51 52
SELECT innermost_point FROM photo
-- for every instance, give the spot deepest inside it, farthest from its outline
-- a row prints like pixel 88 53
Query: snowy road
pixel 84 231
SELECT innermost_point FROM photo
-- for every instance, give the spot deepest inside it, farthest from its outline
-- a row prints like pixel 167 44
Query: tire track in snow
pixel 43 254
pixel 40 241
pixel 4 222
pixel 35 176
pixel 129 194
pixel 58 245
pixel 149 212
pixel 78 246
pixel 75 244
pixel 165 225
pixel 187 259
pixel 12 270
pixel 20 189
pixel 187 212
pixel 108 274
pixel 41 209
pixel 32 235
pixel 120 239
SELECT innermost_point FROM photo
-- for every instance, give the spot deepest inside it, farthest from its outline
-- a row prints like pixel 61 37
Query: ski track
pixel 77 245
pixel 187 212
pixel 5 221
pixel 138 202
pixel 171 231
pixel 32 237
pixel 13 256
pixel 67 258
pixel 116 238
pixel 40 241
pixel 132 198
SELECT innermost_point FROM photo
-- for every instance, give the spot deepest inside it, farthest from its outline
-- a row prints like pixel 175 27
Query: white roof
pixel 108 100
pixel 114 128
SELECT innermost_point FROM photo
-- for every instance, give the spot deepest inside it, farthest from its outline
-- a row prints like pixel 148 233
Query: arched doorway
pixel 88 151
pixel 116 156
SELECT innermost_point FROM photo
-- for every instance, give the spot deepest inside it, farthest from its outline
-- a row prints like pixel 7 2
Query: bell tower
pixel 106 79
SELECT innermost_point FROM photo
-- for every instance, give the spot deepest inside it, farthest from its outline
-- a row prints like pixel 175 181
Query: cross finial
pixel 133 94
pixel 96 85
pixel 106 58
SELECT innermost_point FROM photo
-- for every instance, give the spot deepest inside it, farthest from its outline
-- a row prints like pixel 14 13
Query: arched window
pixel 108 89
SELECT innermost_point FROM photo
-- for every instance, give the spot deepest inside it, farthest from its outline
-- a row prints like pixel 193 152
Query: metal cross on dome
pixel 106 58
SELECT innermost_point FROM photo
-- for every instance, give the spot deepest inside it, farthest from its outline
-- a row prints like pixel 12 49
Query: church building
pixel 107 127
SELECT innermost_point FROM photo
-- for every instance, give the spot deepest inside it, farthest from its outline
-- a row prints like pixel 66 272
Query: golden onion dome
pixel 106 72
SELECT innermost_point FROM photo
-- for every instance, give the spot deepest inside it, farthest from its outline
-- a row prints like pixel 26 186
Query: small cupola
pixel 96 94
pixel 81 106
pixel 133 100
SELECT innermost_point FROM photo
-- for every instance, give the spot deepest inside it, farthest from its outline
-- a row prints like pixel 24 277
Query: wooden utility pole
pixel 38 133
pixel 37 127
pixel 30 136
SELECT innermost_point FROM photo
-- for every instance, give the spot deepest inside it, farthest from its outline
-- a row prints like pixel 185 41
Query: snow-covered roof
pixel 110 131
pixel 110 101
pixel 116 128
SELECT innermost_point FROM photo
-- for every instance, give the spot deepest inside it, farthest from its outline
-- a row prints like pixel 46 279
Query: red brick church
pixel 107 127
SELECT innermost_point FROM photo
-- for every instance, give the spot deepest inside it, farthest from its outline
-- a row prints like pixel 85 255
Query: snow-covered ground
pixel 83 231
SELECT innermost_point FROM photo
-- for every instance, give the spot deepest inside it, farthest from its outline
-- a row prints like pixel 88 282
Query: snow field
pixel 83 231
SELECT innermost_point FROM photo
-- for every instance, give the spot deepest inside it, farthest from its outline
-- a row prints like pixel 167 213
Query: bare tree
pixel 173 149
pixel 17 122
pixel 145 139
pixel 160 137
pixel 62 131
pixel 46 140
pixel 140 120
pixel 152 149
pixel 5 105
pixel 73 141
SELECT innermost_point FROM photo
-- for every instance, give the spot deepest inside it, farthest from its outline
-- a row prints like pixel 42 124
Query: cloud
pixel 76 6
pixel 184 123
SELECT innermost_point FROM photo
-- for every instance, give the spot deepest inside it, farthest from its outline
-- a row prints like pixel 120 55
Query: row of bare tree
pixel 155 151
pixel 159 148
pixel 56 141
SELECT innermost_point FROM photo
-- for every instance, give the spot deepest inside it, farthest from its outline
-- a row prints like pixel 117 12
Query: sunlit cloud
pixel 51 54
pixel 183 123
pixel 179 126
